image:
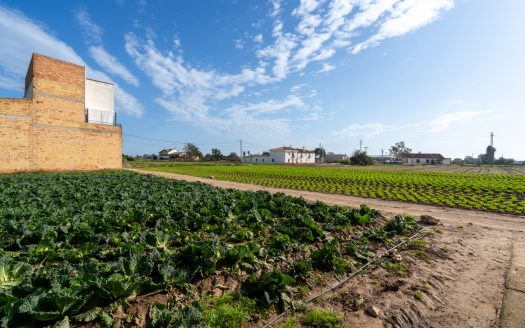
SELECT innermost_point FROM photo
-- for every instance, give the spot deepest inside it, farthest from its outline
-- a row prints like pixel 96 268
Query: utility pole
pixel 492 139
pixel 360 145
pixel 382 158
pixel 320 153
pixel 240 146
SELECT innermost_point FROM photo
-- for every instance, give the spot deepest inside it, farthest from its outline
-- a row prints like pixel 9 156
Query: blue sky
pixel 438 74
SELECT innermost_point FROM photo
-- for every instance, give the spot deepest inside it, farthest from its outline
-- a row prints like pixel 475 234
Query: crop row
pixel 491 192
pixel 74 246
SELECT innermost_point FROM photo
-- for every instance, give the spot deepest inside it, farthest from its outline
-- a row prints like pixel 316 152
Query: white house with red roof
pixel 282 155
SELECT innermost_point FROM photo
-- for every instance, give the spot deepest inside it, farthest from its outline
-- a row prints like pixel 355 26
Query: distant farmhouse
pixel 282 155
pixel 171 154
pixel 334 158
pixel 64 122
pixel 424 159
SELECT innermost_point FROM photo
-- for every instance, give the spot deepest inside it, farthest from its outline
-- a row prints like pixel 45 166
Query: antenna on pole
pixel 492 139
pixel 366 149
pixel 240 147
pixel 360 145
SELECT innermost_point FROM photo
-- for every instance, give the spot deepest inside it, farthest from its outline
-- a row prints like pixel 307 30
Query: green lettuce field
pixel 503 193
pixel 84 247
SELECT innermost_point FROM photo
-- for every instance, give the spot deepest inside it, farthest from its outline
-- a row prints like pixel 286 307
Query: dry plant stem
pixel 342 282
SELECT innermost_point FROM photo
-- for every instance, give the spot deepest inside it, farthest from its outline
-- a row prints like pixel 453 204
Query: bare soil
pixel 458 280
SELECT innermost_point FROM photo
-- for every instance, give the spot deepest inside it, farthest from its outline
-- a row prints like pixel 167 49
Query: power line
pixel 178 142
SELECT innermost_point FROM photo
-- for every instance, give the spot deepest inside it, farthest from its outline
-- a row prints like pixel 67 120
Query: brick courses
pixel 48 132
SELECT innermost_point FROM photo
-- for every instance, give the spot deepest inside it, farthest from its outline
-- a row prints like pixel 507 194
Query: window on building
pixel 273 160
pixel 417 161
pixel 428 161
pixel 257 160
pixel 263 159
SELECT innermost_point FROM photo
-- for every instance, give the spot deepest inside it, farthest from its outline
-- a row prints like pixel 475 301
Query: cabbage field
pixel 123 248
pixel 503 193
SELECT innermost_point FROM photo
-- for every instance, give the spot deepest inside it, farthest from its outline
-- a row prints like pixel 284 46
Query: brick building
pixel 65 122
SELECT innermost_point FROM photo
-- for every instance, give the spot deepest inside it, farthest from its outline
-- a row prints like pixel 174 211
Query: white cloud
pixel 93 35
pixel 22 36
pixel 112 65
pixel 406 17
pixel 239 44
pixel 92 32
pixel 258 38
pixel 266 107
pixel 443 122
pixel 365 131
pixel 322 28
pixel 326 68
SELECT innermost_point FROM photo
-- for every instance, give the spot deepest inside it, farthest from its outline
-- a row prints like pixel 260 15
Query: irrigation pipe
pixel 340 283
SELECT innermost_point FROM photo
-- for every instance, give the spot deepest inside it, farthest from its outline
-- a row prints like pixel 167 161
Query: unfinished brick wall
pixel 48 132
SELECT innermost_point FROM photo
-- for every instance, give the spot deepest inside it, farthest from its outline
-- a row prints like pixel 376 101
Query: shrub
pixel 361 158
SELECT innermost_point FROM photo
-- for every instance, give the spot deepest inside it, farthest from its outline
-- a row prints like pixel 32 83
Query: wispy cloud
pixel 326 68
pixel 270 106
pixel 111 65
pixel 91 31
pixel 322 29
pixel 22 36
pixel 93 34
pixel 403 17
pixel 258 38
pixel 365 131
pixel 443 122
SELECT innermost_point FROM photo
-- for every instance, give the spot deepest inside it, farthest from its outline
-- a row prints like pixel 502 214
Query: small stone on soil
pixel 372 311
pixel 429 220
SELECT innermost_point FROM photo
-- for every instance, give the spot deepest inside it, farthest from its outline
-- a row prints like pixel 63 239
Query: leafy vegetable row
pixel 71 244
pixel 491 192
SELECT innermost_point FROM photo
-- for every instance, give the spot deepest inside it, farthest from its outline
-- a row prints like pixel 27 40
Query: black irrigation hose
pixel 340 283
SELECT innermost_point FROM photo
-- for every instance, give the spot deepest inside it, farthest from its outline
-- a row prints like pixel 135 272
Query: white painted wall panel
pixel 100 95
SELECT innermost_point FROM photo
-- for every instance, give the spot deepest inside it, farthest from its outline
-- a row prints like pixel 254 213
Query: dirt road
pixel 482 284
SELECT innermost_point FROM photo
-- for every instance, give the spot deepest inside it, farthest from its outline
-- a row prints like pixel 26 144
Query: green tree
pixel 399 149
pixel 320 153
pixel 192 151
pixel 233 157
pixel 489 154
pixel 216 155
pixel 361 158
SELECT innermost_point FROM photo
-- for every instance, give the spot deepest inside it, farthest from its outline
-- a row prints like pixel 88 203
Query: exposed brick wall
pixel 48 132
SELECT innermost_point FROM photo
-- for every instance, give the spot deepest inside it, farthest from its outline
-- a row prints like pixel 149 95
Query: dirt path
pixel 482 284
pixel 445 214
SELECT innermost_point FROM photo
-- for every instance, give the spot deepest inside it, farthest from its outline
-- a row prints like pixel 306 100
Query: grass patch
pixel 322 319
pixel 419 242
pixel 290 323
pixel 418 295
pixel 401 269
pixel 230 310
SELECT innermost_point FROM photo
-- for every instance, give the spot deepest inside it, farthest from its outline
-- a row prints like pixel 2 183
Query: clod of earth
pixel 429 220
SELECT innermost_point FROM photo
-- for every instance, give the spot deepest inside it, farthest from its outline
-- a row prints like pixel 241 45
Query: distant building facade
pixel 334 158
pixel 282 155
pixel 425 159
pixel 171 154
